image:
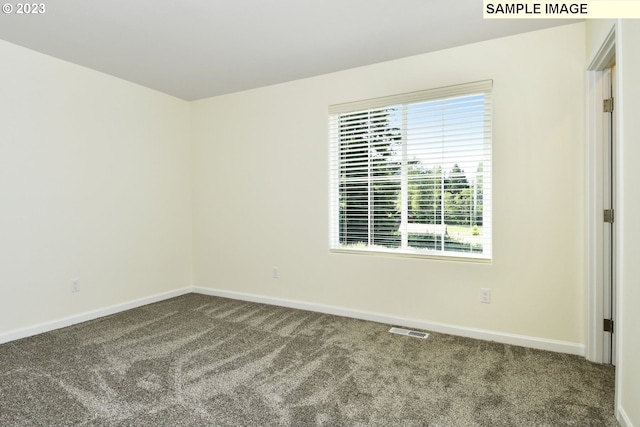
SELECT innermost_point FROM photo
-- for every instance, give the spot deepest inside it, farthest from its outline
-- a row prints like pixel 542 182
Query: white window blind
pixel 411 173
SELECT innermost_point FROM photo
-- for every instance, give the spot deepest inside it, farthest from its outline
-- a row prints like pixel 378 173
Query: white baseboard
pixel 89 315
pixel 623 419
pixel 501 337
pixel 513 339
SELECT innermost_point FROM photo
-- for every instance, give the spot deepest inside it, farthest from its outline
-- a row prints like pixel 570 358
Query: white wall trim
pixel 620 220
pixel 623 419
pixel 89 315
pixel 594 224
pixel 504 338
pixel 501 337
pixel 606 53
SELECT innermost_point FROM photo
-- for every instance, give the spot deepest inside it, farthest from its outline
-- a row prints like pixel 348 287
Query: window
pixel 411 173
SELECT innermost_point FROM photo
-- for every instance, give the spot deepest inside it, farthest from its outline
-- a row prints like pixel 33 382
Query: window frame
pixel 483 88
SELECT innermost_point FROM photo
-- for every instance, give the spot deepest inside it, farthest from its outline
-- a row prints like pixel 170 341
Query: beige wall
pixel 629 231
pixel 630 278
pixel 95 183
pixel 261 192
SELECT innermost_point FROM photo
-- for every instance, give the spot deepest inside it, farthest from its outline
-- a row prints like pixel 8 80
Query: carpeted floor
pixel 198 360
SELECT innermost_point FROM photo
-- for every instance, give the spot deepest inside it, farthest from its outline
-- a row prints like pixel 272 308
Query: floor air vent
pixel 407 332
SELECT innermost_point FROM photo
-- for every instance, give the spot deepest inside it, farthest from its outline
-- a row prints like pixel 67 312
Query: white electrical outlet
pixel 485 295
pixel 75 285
pixel 275 273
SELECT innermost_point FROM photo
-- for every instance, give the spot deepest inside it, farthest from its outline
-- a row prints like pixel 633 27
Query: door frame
pixel 594 156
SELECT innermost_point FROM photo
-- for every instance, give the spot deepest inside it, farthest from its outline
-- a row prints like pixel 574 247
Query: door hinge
pixel 607 105
pixel 608 216
pixel 608 325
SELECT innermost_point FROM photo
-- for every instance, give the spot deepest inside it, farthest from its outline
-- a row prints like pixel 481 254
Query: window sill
pixel 458 257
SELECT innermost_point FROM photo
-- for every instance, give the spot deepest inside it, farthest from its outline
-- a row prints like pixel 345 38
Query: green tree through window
pixel 370 178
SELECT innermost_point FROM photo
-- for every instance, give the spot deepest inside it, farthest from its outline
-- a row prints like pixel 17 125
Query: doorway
pixel 601 169
pixel 609 204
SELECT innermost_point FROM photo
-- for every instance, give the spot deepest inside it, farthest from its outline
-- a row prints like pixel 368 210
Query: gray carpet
pixel 198 360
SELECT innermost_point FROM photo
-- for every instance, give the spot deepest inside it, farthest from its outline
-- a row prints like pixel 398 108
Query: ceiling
pixel 195 49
